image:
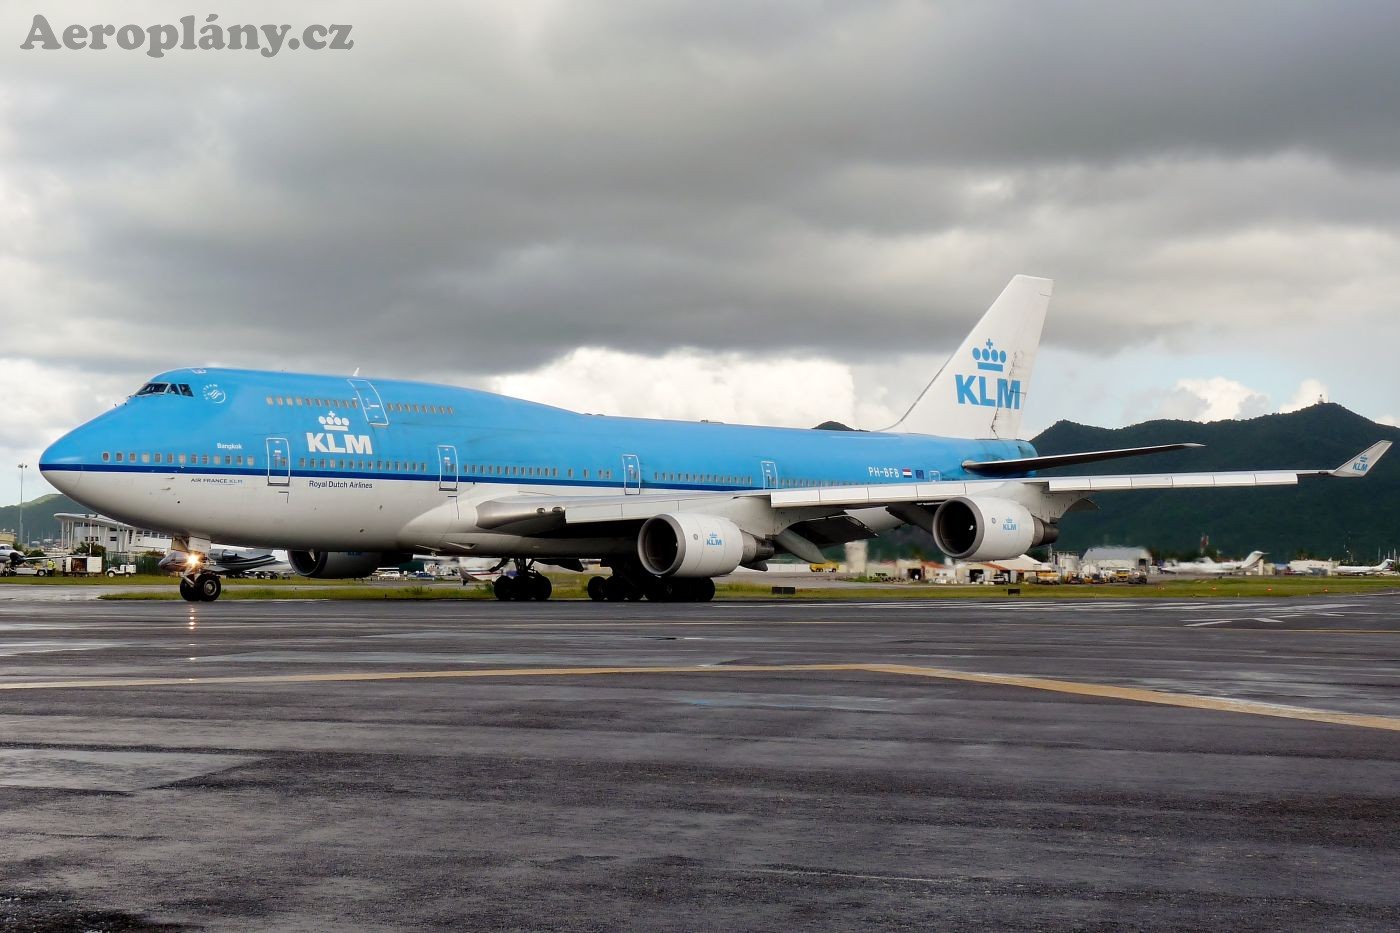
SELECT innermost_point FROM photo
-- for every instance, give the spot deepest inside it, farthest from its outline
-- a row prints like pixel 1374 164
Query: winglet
pixel 1361 464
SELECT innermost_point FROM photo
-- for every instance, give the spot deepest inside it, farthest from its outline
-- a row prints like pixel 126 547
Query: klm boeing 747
pixel 349 474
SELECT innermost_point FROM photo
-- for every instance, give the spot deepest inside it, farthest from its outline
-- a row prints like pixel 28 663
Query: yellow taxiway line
pixel 1075 688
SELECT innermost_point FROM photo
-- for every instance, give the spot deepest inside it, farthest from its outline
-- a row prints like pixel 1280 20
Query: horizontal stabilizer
pixel 1362 462
pixel 1027 464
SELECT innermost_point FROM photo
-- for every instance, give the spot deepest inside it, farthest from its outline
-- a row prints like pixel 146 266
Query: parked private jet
pixel 10 557
pixel 1207 567
pixel 349 474
pixel 1385 566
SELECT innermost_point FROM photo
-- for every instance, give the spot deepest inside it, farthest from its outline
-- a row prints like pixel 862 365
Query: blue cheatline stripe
pixel 261 473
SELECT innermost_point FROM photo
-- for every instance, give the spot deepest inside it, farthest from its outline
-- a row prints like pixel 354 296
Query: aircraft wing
pixel 886 494
pixel 542 514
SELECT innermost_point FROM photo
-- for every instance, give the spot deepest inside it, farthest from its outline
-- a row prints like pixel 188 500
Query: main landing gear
pixel 632 583
pixel 527 584
pixel 202 587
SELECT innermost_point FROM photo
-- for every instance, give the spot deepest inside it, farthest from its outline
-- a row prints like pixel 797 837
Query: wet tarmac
pixel 1007 764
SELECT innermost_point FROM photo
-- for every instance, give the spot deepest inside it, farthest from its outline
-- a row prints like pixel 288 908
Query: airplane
pixel 230 561
pixel 1207 567
pixel 1385 566
pixel 11 558
pixel 349 474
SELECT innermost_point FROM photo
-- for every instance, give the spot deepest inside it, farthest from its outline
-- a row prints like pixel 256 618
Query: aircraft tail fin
pixel 980 391
pixel 1253 558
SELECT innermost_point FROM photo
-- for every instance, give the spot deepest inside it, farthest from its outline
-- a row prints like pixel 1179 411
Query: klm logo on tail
pixel 974 389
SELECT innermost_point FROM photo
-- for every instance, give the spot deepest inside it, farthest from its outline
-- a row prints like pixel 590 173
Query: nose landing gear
pixel 202 587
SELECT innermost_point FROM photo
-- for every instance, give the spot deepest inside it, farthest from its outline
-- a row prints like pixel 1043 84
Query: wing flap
pixel 1029 464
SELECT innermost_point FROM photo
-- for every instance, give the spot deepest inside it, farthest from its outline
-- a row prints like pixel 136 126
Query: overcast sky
pixel 770 211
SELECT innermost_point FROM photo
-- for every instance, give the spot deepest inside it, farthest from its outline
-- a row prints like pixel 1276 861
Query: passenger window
pixel 106 456
pixel 269 400
pixel 182 459
pixel 119 456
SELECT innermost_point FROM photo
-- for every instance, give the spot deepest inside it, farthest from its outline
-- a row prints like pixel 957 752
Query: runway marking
pixel 1140 695
pixel 1211 622
pixel 1076 688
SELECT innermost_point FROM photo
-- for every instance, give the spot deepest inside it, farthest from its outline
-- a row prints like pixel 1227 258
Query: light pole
pixel 22 468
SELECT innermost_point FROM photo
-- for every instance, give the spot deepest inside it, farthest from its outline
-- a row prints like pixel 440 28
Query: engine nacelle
pixel 988 529
pixel 690 545
pixel 341 565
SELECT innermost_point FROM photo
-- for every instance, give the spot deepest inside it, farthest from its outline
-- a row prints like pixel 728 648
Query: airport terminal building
pixel 117 537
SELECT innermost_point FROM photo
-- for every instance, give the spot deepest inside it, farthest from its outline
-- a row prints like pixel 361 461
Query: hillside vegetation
pixel 1325 517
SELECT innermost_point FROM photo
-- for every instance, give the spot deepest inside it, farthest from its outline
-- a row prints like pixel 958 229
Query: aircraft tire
pixel 703 590
pixel 208 586
pixel 504 588
pixel 616 589
pixel 596 587
pixel 188 591
pixel 540 587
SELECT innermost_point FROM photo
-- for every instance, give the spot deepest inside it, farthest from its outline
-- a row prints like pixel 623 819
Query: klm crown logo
pixel 334 423
pixel 990 359
pixel 974 389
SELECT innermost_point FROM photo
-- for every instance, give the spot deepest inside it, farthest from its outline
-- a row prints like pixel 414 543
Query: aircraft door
pixel 631 474
pixel 447 468
pixel 279 462
pixel 770 474
pixel 370 402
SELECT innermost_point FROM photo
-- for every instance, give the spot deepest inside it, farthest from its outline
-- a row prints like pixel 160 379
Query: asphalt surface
pixel 952 765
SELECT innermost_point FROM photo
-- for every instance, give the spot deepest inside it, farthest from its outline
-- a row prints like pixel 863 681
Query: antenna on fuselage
pixel 355 373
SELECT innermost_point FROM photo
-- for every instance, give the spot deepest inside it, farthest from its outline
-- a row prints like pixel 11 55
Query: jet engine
pixel 689 545
pixel 341 565
pixel 988 529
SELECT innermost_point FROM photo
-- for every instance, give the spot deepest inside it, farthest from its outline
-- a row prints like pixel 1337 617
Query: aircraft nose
pixel 62 464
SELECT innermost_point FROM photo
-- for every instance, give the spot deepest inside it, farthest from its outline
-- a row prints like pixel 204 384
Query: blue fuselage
pixel 222 422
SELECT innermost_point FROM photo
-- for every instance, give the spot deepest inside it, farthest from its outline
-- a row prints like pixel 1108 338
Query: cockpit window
pixel 166 388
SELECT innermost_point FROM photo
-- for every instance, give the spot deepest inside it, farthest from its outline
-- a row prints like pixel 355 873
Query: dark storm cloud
pixel 480 188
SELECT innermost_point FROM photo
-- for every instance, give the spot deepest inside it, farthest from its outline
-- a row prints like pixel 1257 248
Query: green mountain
pixel 39 521
pixel 1326 517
